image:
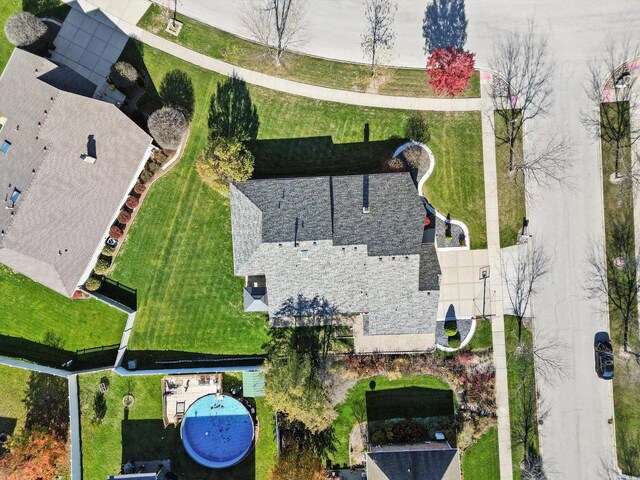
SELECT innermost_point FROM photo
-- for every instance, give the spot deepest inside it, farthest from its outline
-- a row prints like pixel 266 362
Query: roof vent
pixel 365 194
pixel 88 158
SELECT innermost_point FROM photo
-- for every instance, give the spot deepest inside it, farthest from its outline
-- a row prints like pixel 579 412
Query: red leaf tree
pixel 34 454
pixel 450 70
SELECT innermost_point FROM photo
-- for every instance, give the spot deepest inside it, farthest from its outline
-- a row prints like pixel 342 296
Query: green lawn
pixel 32 310
pixel 404 406
pixel 141 436
pixel 480 461
pixel 518 366
pixel 511 194
pixel 13 413
pixel 303 68
pixel 483 336
pixel 178 252
pixel 618 204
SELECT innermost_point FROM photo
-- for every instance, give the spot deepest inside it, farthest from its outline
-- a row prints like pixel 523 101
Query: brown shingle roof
pixel 66 205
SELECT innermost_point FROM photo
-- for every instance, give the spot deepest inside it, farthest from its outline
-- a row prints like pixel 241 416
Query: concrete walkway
pixel 126 18
pixel 493 247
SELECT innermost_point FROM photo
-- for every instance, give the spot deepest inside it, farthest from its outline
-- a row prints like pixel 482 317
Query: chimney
pixel 365 194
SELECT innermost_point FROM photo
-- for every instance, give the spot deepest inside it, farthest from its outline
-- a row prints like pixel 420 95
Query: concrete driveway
pixel 577 441
pixel 89 44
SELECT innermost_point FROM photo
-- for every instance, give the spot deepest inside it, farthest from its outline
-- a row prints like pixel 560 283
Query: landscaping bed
pixel 178 252
pixel 302 68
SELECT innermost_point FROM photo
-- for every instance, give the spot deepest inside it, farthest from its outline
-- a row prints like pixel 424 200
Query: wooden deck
pixel 179 392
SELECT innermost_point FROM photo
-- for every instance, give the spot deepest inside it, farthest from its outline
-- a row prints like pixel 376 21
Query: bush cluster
pixel 417 129
pixel 115 232
pixel 108 251
pixel 146 176
pixel 92 284
pixel 454 341
pixel 102 266
pixel 132 202
pixel 391 165
pixel 139 188
pixel 168 127
pixel 124 75
pixel 124 217
pixel 450 328
pixel 403 431
pixel 25 30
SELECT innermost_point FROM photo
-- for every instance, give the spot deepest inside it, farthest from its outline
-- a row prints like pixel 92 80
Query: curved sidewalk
pixel 125 20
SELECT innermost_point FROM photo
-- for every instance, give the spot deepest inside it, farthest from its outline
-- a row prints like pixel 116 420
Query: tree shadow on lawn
pixel 146 440
pixel 293 157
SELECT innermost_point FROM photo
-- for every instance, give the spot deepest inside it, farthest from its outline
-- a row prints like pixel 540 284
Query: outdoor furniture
pixel 180 409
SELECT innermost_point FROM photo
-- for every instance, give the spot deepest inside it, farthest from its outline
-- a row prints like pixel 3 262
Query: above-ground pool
pixel 217 431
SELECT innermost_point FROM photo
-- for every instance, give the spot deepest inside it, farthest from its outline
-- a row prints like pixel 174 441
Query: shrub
pixel 124 75
pixel 25 30
pixel 224 161
pixel 153 167
pixel 115 232
pixel 92 284
pixel 132 202
pixel 139 188
pixel 417 129
pixel 102 266
pixel 416 157
pixel 394 164
pixel 450 70
pixel 168 127
pixel 450 328
pixel 454 341
pixel 124 217
pixel 145 176
pixel 108 251
pixel 378 438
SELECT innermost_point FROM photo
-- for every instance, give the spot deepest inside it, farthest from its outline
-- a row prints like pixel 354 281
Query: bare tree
pixel 612 89
pixel 276 24
pixel 533 468
pixel 521 89
pixel 613 274
pixel 379 35
pixel 521 275
pixel 168 127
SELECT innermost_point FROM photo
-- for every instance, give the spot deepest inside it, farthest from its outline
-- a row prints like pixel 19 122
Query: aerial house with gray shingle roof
pixel 355 240
pixel 67 164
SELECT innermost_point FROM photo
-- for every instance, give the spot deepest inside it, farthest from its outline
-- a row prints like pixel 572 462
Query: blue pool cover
pixel 217 432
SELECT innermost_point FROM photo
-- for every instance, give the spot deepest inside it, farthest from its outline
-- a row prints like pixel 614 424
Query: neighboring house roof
pixel 66 204
pixel 311 237
pixel 425 464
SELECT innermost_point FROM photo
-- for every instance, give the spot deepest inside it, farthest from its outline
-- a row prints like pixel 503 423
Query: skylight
pixel 5 146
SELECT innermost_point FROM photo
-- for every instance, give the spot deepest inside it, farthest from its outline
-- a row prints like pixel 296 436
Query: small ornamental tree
pixel 132 202
pixel 92 284
pixel 124 75
pixel 450 70
pixel 168 127
pixel 124 216
pixel 27 31
pixel 224 161
pixel 115 232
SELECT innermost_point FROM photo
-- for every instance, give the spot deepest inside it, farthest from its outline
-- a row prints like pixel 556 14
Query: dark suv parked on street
pixel 604 355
